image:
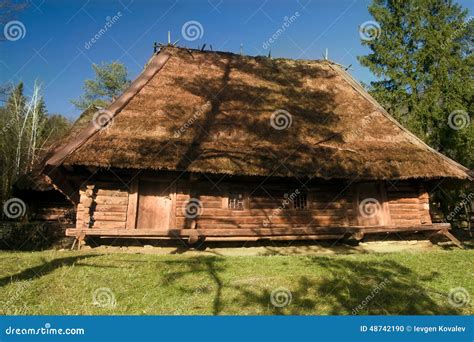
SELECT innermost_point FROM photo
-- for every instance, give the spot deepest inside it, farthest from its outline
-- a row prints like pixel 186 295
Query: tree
pixel 422 55
pixel 9 8
pixel 26 132
pixel 110 81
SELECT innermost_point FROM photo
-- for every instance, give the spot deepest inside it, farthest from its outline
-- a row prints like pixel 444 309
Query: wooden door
pixel 372 206
pixel 154 206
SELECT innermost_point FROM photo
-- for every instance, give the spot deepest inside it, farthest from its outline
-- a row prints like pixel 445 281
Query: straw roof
pixel 216 112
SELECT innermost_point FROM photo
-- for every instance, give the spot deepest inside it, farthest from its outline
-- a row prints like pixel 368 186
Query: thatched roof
pixel 202 111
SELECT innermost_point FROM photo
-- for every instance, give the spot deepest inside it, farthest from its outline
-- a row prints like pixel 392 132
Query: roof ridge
pixel 193 50
pixel 413 138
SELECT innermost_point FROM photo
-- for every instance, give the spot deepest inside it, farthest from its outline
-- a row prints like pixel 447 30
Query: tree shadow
pixel 347 287
pixel 45 268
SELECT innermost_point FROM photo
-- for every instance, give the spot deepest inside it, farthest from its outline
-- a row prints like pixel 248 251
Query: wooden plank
pixel 109 200
pixel 404 201
pixel 111 208
pixel 110 217
pixel 132 205
pixel 111 193
pixel 277 238
pixel 453 238
pixel 258 232
pixel 108 225
pixel 154 205
pixel 173 207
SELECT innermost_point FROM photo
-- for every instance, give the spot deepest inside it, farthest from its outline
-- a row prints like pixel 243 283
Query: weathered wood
pixel 451 237
pixel 263 232
pixel 109 200
pixel 111 193
pixel 132 205
pixel 154 205
pixel 108 225
pixel 111 208
pixel 103 216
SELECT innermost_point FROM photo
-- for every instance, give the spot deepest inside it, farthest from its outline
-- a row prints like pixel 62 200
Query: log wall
pixel 267 206
pixel 408 203
pixel 102 205
pixel 329 204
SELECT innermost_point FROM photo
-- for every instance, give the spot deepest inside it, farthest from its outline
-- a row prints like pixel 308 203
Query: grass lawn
pixel 53 282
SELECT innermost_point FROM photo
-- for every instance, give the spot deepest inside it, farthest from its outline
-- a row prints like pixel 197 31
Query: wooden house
pixel 219 146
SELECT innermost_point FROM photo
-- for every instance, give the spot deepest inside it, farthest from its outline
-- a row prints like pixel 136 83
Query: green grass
pixel 54 282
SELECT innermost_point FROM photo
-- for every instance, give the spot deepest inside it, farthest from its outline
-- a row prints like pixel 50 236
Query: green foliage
pixel 423 59
pixel 110 81
pixel 26 132
pixel 56 126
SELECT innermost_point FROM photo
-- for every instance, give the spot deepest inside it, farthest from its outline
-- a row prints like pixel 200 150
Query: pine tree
pixel 422 55
pixel 110 81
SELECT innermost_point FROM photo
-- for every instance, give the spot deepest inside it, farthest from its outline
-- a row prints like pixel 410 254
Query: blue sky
pixel 53 49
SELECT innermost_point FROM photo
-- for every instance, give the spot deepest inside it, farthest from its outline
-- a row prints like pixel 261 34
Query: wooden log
pixel 109 200
pixel 111 208
pixel 258 232
pixel 108 225
pixel 111 193
pixel 104 216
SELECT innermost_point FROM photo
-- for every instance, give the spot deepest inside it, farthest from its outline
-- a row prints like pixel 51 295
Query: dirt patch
pixel 273 249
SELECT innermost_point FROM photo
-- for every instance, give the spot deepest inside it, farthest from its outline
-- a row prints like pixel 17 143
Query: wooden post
pixel 424 200
pixel 132 205
pixel 87 200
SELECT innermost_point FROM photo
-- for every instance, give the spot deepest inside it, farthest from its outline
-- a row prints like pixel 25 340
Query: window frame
pixel 291 203
pixel 231 194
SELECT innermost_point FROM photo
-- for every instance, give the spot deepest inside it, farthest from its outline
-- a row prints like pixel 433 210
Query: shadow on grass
pixel 345 287
pixel 41 270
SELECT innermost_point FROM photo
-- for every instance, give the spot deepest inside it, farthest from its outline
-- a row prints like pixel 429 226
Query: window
pixel 236 201
pixel 300 201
